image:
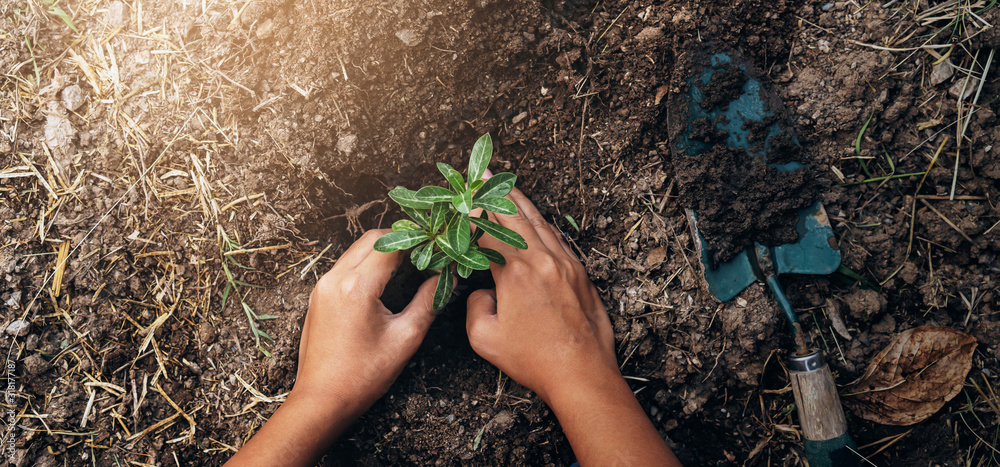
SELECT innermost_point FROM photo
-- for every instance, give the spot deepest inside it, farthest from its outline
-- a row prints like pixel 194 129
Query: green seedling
pixel 438 229
pixel 850 274
pixel 55 10
pixel 572 222
pixel 233 284
pixel 857 146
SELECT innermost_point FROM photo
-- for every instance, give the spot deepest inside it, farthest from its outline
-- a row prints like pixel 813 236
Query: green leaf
pixel 442 293
pixel 421 255
pixel 482 151
pixel 250 313
pixel 454 178
pixel 237 263
pixel 501 233
pixel 393 241
pixel 463 271
pixel 474 260
pixel 445 246
pixel 497 205
pixel 439 260
pixel 479 232
pixel 476 185
pixel 459 234
pixel 63 16
pixel 572 222
pixel 408 198
pixel 438 214
pixel 419 216
pixel 225 295
pixel 225 269
pixel 497 186
pixel 434 194
pixel 262 317
pixel 463 202
pixel 476 236
pixel 493 255
pixel 405 224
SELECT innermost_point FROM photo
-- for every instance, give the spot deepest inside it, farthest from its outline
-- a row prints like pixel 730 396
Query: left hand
pixel 351 351
pixel 352 346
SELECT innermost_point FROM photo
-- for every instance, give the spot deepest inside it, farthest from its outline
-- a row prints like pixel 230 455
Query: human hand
pixel 352 346
pixel 352 349
pixel 544 325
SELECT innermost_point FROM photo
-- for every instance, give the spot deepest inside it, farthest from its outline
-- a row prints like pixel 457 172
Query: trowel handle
pixel 824 427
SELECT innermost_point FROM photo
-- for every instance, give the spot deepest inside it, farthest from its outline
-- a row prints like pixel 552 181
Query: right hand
pixel 545 325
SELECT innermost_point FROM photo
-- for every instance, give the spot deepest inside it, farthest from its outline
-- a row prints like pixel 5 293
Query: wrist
pixel 598 387
pixel 299 432
pixel 327 413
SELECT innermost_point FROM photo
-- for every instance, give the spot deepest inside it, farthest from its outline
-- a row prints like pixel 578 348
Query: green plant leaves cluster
pixel 439 226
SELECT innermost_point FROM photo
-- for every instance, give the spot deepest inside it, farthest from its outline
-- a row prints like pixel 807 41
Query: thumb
pixel 481 317
pixel 419 314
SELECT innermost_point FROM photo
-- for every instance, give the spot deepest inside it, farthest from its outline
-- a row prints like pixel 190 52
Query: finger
pixel 563 243
pixel 535 219
pixel 418 315
pixel 517 222
pixel 481 319
pixel 361 248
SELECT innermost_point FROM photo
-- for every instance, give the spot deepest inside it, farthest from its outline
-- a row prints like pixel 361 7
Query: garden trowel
pixel 826 440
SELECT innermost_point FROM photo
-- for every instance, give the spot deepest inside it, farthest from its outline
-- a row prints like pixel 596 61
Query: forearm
pixel 298 433
pixel 606 425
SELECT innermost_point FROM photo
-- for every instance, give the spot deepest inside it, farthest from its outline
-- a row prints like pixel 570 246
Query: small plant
pixel 439 226
pixel 55 10
pixel 227 247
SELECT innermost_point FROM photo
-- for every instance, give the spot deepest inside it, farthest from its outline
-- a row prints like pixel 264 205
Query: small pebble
pixel 116 16
pixel 828 7
pixel 72 97
pixel 409 37
pixel 18 327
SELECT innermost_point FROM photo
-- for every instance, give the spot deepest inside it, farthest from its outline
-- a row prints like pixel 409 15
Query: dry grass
pixel 156 99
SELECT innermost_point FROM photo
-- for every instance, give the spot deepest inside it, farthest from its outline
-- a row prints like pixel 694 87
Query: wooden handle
pixel 820 413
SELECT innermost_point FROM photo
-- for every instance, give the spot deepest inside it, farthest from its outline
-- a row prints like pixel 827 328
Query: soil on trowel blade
pixel 740 200
pixel 724 87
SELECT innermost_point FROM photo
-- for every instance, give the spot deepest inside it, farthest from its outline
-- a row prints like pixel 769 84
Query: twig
pixel 946 220
pixel 913 212
pixel 309 266
pixel 960 130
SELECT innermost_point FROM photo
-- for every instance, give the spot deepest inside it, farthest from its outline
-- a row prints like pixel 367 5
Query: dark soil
pixel 724 87
pixel 283 124
pixel 740 200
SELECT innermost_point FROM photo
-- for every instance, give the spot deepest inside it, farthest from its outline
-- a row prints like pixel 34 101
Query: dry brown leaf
pixel 913 377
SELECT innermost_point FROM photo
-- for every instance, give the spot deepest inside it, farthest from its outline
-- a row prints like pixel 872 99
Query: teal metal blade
pixel 728 279
pixel 815 252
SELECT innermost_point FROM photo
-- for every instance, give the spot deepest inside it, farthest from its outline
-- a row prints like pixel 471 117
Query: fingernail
pixel 487 174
